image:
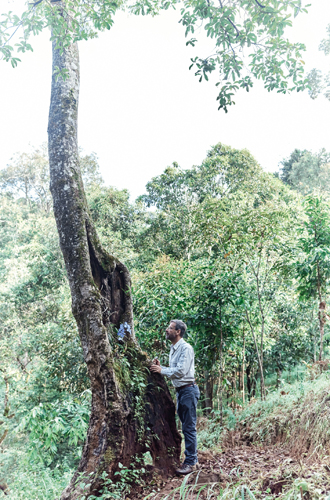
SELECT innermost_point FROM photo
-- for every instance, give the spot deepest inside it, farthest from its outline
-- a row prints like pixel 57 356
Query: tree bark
pixel 208 394
pixel 278 377
pixel 322 321
pixel 243 369
pixel 261 371
pixel 220 380
pixel 132 410
pixel 322 313
pixel 250 380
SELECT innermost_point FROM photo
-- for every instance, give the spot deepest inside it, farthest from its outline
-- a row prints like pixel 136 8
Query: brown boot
pixel 186 469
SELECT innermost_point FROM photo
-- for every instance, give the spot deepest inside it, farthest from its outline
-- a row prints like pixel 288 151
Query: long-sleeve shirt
pixel 182 364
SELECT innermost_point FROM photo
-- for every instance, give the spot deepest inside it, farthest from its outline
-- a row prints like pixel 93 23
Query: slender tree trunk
pixel 248 380
pixel 239 373
pixel 6 411
pixel 253 385
pixel 314 337
pixel 132 410
pixel 220 387
pixel 262 382
pixel 208 394
pixel 234 387
pixel 322 320
pixel 322 314
pixel 243 369
pixel 278 377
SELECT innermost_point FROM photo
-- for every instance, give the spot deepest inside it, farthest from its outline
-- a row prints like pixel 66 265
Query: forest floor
pixel 278 448
pixel 266 472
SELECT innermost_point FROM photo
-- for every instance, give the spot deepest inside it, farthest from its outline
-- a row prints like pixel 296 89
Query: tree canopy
pixel 248 35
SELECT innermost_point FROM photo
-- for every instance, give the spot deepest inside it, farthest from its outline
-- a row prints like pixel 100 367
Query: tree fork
pixel 101 303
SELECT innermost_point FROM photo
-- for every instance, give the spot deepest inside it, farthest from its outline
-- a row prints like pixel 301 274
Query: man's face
pixel 171 332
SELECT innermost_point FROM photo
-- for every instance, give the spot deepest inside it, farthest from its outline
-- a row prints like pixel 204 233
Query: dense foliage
pixel 237 253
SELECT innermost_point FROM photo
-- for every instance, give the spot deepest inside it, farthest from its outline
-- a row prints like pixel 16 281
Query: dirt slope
pixel 267 472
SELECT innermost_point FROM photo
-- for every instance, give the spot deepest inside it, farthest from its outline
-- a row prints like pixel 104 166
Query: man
pixel 181 372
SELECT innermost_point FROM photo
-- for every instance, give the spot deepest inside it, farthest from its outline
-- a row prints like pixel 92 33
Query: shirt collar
pixel 175 346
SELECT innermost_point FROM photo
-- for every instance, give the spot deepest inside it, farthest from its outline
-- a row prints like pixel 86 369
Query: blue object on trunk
pixel 123 329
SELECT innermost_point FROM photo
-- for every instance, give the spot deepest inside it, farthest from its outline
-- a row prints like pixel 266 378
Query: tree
pixel 100 284
pixel 252 233
pixel 27 174
pixel 305 171
pixel 119 430
pixel 248 36
pixel 313 266
pixel 178 196
pixel 318 83
pixel 287 165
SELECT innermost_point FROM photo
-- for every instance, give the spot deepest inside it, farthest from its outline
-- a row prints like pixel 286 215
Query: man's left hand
pixel 155 368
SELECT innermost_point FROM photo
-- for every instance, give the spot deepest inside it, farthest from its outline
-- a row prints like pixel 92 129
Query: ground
pixel 268 473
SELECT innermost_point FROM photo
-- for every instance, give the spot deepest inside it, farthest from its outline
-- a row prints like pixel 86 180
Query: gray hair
pixel 180 325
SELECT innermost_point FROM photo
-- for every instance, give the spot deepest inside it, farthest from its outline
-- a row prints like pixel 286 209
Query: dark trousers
pixel 186 407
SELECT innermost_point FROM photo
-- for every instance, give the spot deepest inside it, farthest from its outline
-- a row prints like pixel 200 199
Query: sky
pixel 142 109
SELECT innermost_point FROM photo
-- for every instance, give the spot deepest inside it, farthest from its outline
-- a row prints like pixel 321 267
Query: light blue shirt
pixel 182 364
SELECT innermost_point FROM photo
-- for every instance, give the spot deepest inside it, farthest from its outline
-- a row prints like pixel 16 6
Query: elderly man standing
pixel 182 372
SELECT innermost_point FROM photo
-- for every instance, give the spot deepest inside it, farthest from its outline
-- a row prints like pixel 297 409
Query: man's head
pixel 175 330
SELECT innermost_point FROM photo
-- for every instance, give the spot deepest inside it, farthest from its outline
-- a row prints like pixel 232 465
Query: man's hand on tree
pixel 155 368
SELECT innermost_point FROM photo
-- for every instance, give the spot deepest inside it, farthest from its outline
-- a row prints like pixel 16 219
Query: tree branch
pixel 36 3
pixel 259 4
pixel 231 22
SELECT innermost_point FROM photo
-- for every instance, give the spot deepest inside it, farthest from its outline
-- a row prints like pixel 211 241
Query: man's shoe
pixel 185 469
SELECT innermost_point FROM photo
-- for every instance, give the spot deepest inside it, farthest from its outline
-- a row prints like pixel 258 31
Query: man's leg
pixel 187 406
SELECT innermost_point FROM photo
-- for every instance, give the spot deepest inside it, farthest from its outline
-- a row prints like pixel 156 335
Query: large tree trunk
pixel 132 410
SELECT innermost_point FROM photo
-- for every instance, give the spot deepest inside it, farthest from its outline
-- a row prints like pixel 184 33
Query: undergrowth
pixel 37 483
pixel 297 414
pixel 299 489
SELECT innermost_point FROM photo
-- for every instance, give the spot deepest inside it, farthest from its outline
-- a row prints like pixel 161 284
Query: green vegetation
pixel 318 83
pixel 230 240
pixel 249 42
pixel 237 253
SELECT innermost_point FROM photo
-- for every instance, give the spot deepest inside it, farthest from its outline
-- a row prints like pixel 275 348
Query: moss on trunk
pixel 132 411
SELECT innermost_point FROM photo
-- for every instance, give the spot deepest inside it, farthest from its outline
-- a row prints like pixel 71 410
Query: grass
pixel 209 491
pixel 297 489
pixel 298 414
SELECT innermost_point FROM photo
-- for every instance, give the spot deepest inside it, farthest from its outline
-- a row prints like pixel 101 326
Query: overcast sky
pixel 141 108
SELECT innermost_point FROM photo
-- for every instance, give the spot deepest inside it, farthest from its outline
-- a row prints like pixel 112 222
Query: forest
pixel 242 255
pixel 91 280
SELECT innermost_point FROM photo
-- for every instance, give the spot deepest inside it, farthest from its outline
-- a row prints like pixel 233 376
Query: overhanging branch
pixel 259 4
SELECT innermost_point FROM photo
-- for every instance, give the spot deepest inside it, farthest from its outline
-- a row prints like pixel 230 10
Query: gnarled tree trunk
pixel 132 410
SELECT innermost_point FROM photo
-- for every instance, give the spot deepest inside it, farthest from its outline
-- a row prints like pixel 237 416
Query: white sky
pixel 141 108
